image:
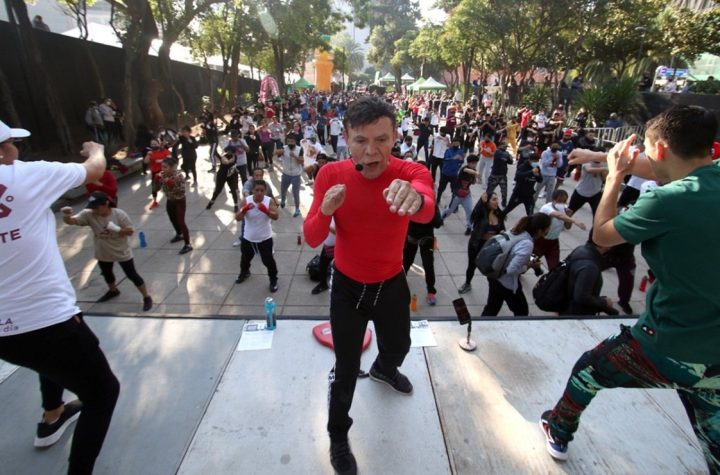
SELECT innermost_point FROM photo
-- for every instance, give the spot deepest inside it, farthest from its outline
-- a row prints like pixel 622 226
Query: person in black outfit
pixel 211 134
pixel 488 220
pixel 421 235
pixel 143 137
pixel 622 258
pixel 227 173
pixel 585 281
pixel 498 172
pixel 423 140
pixel 526 176
pixel 187 145
pixel 255 153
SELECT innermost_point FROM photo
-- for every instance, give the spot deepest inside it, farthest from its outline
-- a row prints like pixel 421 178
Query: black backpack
pixel 313 268
pixel 552 291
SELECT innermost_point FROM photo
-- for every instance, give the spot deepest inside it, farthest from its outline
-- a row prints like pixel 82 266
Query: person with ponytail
pixel 507 288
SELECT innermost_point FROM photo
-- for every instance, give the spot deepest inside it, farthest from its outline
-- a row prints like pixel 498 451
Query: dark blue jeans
pixel 67 355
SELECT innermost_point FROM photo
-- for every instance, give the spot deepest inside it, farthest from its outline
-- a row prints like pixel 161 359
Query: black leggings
pixel 176 213
pixel 426 255
pixel 352 305
pixel 232 182
pixel 106 269
pixel 188 166
pixel 577 201
pixel 67 356
pixel 497 294
pixel 265 249
pixel 473 249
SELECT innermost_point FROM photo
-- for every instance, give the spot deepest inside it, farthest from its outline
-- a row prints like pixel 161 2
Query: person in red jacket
pixel 155 158
pixel 107 184
pixel 373 197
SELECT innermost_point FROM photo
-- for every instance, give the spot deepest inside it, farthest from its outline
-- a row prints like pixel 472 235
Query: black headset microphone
pixel 359 167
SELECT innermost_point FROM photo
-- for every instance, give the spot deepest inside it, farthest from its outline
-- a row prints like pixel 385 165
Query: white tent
pixel 430 85
pixel 407 78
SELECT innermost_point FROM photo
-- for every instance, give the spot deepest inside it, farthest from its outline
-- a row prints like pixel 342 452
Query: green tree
pixel 689 34
pixel 389 21
pixel 290 28
pixel 425 48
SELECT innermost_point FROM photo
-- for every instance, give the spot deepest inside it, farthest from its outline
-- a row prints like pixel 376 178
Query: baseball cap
pixel 97 199
pixel 567 132
pixel 6 133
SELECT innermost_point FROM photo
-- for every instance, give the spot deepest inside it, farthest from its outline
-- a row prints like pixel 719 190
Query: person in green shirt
pixel 675 343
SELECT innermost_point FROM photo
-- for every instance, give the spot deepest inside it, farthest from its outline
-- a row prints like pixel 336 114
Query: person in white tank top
pixel 258 212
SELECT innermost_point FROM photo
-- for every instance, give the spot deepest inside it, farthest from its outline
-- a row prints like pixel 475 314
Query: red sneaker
pixel 154 204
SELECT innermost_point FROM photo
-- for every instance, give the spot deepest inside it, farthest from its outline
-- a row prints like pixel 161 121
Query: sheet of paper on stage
pixel 255 337
pixel 421 334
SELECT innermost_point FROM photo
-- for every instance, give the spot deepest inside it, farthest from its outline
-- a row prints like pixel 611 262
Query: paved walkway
pixel 203 281
pixel 191 404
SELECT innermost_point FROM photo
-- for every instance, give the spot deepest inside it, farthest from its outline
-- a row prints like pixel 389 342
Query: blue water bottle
pixel 270 321
pixel 143 242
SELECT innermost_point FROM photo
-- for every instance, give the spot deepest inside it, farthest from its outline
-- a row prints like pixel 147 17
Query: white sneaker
pixel 237 242
pixel 542 194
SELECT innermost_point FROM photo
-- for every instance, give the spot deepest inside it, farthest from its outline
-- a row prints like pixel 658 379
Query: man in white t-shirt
pixel 41 327
pixel 336 128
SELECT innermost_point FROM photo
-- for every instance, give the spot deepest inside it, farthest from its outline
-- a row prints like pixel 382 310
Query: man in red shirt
pixel 373 196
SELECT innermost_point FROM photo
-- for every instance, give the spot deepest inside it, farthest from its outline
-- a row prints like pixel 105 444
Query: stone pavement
pixel 203 281
pixel 191 404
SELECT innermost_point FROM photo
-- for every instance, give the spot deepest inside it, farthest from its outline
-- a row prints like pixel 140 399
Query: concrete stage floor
pixel 191 404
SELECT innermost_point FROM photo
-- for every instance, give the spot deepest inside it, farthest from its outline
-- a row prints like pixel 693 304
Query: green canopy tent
pixel 431 85
pixel 389 77
pixel 302 83
pixel 414 86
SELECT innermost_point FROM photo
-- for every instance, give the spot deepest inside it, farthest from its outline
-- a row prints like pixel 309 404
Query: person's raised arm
pixel 95 161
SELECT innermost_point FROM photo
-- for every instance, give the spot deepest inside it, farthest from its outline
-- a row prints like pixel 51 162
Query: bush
pixel 538 97
pixel 619 96
pixel 706 87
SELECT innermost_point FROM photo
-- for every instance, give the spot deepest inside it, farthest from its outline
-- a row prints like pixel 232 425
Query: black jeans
pixel 188 167
pixel 127 266
pixel 425 245
pixel 67 355
pixel 497 294
pixel 265 249
pixel 518 199
pixel 473 249
pixel 352 305
pixel 223 177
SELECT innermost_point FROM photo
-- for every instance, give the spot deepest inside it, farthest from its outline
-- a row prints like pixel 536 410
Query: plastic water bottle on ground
pixel 270 320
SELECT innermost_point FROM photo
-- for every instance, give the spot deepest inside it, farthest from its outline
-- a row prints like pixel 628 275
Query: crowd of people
pixel 372 162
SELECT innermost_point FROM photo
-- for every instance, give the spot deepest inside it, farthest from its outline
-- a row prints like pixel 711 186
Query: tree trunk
pixel 6 102
pixel 94 69
pixel 234 68
pixel 279 59
pixel 398 82
pixel 40 81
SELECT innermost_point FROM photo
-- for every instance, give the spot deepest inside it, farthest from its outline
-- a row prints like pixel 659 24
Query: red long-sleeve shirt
pixel 369 238
pixel 108 185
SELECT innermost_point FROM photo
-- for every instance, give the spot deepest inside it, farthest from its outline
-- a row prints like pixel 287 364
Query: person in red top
pixel 372 197
pixel 155 158
pixel 107 184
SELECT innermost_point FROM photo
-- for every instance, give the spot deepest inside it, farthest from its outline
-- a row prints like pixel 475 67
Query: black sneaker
pixel 185 249
pixel 321 287
pixel 147 303
pixel 398 382
pixel 557 449
pixel 625 306
pixel 48 434
pixel 177 238
pixel 110 294
pixel 342 459
pixel 468 231
pixel 465 288
pixel 273 286
pixel 210 205
pixel 242 277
